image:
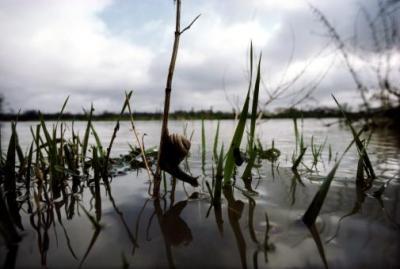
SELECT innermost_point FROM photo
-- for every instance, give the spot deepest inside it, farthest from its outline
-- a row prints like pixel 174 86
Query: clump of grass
pixel 234 148
pixel 55 169
pixel 316 151
pixel 53 159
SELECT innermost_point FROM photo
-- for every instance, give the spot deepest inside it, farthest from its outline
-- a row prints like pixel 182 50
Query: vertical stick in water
pixel 168 89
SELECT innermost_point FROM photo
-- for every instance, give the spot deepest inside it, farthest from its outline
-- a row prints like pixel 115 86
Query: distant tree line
pixel 322 112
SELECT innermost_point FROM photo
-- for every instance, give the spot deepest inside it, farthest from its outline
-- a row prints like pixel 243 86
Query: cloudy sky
pixel 94 50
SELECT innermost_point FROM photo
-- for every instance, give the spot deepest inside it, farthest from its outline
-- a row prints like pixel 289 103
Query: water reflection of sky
pixel 367 239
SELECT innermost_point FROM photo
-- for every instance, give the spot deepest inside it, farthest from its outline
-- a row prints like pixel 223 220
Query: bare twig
pixel 190 25
pixel 343 50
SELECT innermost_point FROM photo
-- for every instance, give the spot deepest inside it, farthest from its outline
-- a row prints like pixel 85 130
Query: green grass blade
pixel 247 171
pixel 296 135
pixel 203 144
pixel 20 153
pixel 7 227
pixel 251 63
pixel 210 192
pixel 98 142
pixel 313 210
pixel 97 194
pixel 360 146
pixel 301 134
pixel 238 135
pixel 62 111
pixel 236 141
pixel 28 170
pixel 116 128
pixel 255 105
pixel 9 169
pixel 46 132
pixel 215 147
pixel 86 136
pixel 10 186
pixel 299 158
pixel 218 178
pixel 114 135
pixel 53 158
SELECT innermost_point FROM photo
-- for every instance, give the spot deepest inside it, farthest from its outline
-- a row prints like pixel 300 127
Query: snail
pixel 175 149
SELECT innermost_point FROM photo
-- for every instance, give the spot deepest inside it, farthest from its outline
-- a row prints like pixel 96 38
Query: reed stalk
pixel 168 89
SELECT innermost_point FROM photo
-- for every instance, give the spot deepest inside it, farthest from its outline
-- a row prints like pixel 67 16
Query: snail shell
pixel 175 149
pixel 181 146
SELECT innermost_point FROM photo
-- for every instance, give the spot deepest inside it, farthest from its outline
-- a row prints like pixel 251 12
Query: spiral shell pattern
pixel 180 145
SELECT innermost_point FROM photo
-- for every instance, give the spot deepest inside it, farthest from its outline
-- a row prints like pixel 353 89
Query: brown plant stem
pixel 168 88
pixel 141 146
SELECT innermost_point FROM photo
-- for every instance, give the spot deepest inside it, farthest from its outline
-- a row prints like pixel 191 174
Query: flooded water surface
pixel 119 225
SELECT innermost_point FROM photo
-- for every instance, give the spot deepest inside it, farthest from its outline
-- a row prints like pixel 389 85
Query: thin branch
pixel 190 25
pixel 142 151
pixel 343 50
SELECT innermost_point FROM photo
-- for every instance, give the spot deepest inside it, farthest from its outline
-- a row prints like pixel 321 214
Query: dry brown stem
pixel 168 88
